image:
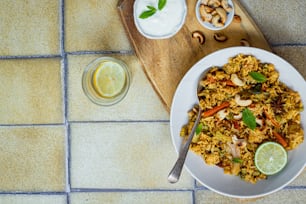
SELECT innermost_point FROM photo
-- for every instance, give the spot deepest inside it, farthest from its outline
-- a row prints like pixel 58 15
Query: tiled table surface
pixel 58 147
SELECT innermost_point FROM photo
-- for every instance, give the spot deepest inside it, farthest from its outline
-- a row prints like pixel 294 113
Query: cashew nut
pixel 222 14
pixel 220 37
pixel 200 36
pixel 237 18
pixel 208 9
pixel 222 114
pixel 204 15
pixel 236 80
pixel 215 21
pixel 205 2
pixel 242 102
pixel 259 121
pixel 214 3
pixel 238 117
pixel 226 6
pixel 244 42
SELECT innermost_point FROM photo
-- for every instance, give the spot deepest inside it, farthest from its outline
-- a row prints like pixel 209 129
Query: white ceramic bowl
pixel 174 12
pixel 213 177
pixel 210 26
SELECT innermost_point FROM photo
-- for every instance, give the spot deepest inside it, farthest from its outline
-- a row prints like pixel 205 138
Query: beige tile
pixel 32 199
pixel 29 27
pixel 281 197
pixel 123 155
pixel 280 22
pixel 94 25
pixel 140 103
pixel 175 197
pixel 32 158
pixel 31 91
pixel 295 55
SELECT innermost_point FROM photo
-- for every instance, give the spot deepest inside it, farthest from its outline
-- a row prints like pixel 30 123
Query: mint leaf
pixel 161 4
pixel 151 7
pixel 258 76
pixel 148 13
pixel 199 128
pixel 249 119
pixel 237 160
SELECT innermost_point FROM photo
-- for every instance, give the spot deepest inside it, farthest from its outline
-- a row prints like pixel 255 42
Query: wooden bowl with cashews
pixel 215 14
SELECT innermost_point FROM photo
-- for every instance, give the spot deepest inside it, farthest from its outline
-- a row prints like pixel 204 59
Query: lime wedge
pixel 270 158
pixel 109 79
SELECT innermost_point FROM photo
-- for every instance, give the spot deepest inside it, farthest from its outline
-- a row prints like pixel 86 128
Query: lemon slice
pixel 270 158
pixel 109 79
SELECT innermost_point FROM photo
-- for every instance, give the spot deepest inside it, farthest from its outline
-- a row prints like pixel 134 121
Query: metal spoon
pixel 176 171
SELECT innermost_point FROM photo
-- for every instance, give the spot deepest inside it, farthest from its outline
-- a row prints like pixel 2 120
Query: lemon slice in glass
pixel 270 158
pixel 109 79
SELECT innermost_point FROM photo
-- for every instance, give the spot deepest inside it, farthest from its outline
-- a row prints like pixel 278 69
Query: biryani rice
pixel 224 139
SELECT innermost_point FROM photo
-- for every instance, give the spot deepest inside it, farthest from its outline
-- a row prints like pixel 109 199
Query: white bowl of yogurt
pixel 165 22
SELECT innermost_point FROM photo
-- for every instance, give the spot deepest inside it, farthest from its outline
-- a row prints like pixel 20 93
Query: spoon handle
pixel 175 173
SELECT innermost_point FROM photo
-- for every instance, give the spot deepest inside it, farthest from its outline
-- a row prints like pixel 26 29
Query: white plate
pixel 213 177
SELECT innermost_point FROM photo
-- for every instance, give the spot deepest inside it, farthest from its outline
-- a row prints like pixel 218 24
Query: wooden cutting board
pixel 166 61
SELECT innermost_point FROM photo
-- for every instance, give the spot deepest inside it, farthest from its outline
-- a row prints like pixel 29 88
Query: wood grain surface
pixel 166 61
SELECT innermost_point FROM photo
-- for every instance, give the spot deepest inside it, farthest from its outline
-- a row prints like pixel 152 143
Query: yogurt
pixel 164 23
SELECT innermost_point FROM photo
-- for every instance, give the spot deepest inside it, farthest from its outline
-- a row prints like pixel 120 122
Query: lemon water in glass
pixel 106 81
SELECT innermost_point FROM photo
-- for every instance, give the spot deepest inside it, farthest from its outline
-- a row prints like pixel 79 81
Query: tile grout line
pixel 65 97
pixel 33 125
pixel 80 122
pixel 29 57
pixel 87 52
pixel 68 164
pixel 48 193
pixel 126 190
pixel 120 121
pixel 288 44
pixel 125 52
pixel 194 191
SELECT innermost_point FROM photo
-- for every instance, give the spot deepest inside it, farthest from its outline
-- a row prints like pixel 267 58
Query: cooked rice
pixel 225 140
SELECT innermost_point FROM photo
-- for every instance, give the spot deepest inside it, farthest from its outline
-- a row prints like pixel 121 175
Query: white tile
pixel 123 155
pixel 175 197
pixel 140 103
pixel 94 25
pixel 281 197
pixel 32 199
pixel 29 27
pixel 32 159
pixel 31 91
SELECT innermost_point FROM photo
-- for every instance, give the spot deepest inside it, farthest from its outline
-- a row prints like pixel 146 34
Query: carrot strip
pixel 236 125
pixel 229 83
pixel 215 109
pixel 274 122
pixel 280 139
pixel 211 79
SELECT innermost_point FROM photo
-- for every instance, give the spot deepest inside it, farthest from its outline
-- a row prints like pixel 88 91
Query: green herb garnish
pixel 199 128
pixel 237 160
pixel 249 119
pixel 161 4
pixel 152 10
pixel 258 76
